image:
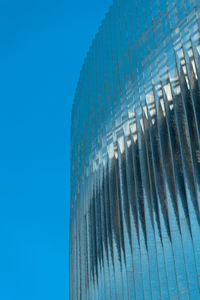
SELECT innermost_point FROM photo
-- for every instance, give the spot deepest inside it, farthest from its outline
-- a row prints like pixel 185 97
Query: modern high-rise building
pixel 135 156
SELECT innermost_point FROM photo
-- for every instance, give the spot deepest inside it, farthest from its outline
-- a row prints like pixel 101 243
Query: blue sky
pixel 42 47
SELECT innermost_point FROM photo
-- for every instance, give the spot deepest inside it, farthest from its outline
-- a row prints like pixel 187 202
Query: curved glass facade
pixel 135 156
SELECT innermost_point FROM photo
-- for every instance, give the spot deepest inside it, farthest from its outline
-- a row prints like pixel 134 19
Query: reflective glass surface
pixel 135 156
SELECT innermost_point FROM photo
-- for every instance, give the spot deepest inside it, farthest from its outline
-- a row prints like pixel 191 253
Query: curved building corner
pixel 135 156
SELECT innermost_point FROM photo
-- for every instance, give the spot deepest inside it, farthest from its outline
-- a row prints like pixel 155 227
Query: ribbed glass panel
pixel 135 156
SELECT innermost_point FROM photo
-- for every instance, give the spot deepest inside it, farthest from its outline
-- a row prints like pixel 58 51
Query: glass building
pixel 135 156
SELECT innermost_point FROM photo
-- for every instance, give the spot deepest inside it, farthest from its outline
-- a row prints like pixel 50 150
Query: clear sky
pixel 42 47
